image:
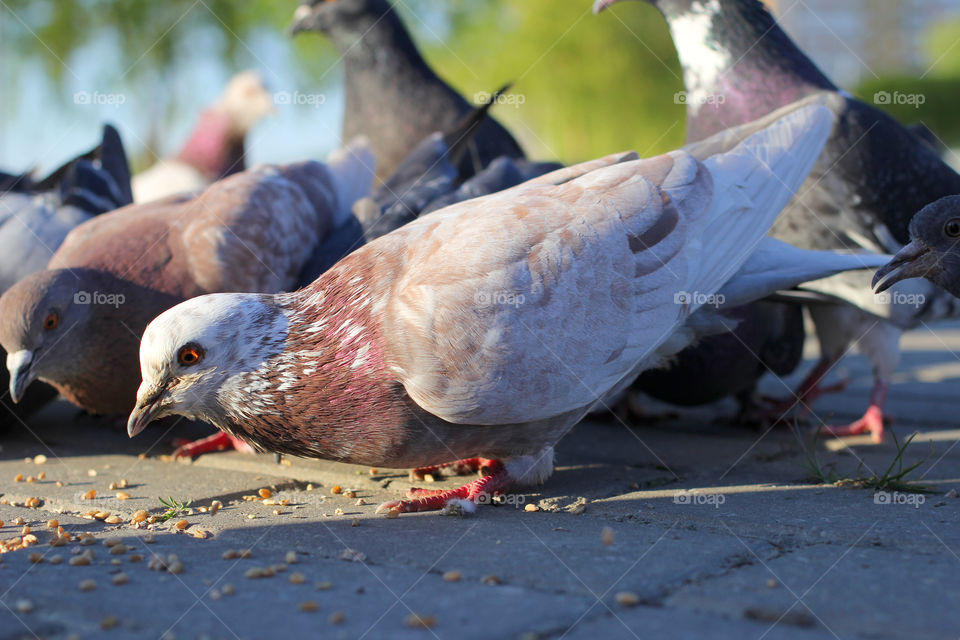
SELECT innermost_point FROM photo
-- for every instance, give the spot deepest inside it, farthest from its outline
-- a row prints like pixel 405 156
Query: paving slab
pixel 678 525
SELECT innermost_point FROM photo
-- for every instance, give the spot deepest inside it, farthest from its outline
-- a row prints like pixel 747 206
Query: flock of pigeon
pixel 429 298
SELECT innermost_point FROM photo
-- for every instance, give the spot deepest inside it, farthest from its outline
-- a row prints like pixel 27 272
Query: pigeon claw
pixel 220 441
pixel 478 491
pixel 462 467
pixel 871 422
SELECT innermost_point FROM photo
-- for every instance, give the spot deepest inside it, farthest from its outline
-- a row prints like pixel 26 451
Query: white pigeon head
pixel 189 351
pixel 246 101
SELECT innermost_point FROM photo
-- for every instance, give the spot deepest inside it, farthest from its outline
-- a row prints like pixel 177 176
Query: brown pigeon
pixel 215 148
pixel 491 327
pixel 77 325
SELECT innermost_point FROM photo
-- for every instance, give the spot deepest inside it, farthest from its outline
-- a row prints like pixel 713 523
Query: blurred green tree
pixel 584 85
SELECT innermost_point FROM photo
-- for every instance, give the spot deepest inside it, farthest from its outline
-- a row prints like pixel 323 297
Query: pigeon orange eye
pixel 51 321
pixel 952 227
pixel 189 355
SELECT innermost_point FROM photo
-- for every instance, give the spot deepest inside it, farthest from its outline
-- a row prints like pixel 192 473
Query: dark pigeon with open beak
pixel 874 174
pixel 933 252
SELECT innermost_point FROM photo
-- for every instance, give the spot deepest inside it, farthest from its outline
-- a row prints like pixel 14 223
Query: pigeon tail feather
pixel 752 183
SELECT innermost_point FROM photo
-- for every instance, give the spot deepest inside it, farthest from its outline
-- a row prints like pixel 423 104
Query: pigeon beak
pixel 302 20
pixel 21 373
pixel 600 5
pixel 916 260
pixel 148 407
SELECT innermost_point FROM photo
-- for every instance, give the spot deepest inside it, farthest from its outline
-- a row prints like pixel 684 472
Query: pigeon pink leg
pixel 872 420
pixel 432 500
pixel 220 441
pixel 457 467
pixel 808 391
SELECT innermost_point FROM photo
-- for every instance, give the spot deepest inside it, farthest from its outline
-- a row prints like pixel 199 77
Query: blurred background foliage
pixel 588 85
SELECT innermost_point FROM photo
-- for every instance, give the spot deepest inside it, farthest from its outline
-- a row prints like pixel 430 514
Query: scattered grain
pixel 531 507
pixel 90 495
pixel 308 607
pixel 627 599
pixel 336 490
pixel 120 578
pixel 491 578
pixel 87 585
pixel 606 536
pixel 452 576
pixel 337 617
pixel 297 578
pixel 417 621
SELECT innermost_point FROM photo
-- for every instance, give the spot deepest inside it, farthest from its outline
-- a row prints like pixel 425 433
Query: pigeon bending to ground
pixel 215 148
pixel 426 346
pixel 933 249
pixel 77 326
pixel 873 176
pixel 37 214
pixel 392 96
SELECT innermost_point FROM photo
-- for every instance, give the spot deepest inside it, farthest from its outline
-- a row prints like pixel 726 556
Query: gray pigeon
pixel 392 96
pixel 35 217
pixel 873 176
pixel 933 252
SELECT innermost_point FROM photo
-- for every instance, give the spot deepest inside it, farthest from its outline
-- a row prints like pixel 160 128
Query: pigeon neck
pixel 738 64
pixel 214 148
pixel 323 389
pixel 382 65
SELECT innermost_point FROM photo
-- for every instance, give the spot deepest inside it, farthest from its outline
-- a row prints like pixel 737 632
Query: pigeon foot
pixel 220 441
pixel 462 467
pixel 871 422
pixel 476 492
